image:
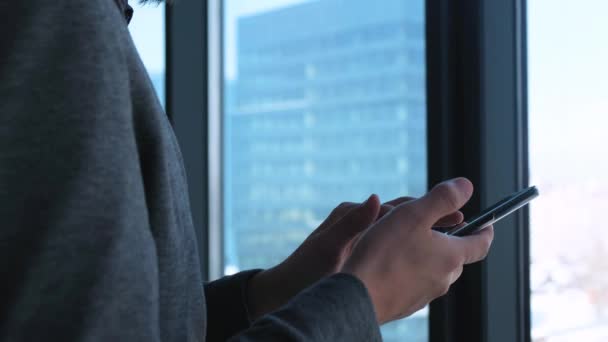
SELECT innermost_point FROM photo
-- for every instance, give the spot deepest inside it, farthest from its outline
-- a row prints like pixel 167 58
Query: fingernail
pixel 463 184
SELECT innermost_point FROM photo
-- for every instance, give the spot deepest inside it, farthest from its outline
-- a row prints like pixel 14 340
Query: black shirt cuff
pixel 227 311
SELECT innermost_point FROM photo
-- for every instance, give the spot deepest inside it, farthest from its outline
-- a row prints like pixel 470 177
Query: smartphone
pixel 496 212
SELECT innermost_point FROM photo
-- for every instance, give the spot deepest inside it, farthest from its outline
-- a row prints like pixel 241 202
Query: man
pixel 97 243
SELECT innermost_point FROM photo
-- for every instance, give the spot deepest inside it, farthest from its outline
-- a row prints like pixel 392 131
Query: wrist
pixel 262 293
pixel 379 309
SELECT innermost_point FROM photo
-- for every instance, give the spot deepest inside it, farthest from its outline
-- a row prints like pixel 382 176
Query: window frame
pixel 187 102
pixel 476 123
pixel 477 114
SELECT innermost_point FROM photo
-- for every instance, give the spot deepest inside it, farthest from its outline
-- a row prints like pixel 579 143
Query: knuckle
pixel 457 273
pixel 341 208
pixel 440 284
pixel 486 250
pixel 403 199
pixel 485 244
pixel 386 207
pixel 484 254
pixel 417 217
pixel 453 262
pixel 443 288
pixel 343 205
pixel 490 238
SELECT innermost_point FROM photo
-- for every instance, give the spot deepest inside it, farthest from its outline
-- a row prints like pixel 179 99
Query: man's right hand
pixel 404 263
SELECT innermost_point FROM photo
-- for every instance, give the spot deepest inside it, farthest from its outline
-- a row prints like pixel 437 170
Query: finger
pixel 341 210
pixel 389 205
pixel 442 200
pixel 455 274
pixel 450 219
pixel 357 220
pixel 336 214
pixel 448 228
pixel 399 200
pixel 385 209
pixel 475 247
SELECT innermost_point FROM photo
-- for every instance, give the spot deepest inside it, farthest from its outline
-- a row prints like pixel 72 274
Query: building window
pixel 324 102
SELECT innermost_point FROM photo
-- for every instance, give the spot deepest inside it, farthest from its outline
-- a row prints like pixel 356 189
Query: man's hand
pixel 404 263
pixel 323 253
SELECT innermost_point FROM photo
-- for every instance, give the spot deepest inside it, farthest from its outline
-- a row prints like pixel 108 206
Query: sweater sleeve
pixel 77 257
pixel 226 302
pixel 337 308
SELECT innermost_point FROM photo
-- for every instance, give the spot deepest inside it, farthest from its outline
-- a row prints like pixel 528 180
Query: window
pixel 568 118
pixel 304 129
pixel 316 116
pixel 148 31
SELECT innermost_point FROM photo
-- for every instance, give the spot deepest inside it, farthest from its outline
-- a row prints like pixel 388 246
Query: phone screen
pixel 496 212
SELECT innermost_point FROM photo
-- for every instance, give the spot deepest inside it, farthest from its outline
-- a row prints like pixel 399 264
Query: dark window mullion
pixel 454 143
pixel 476 106
pixel 187 104
pixel 505 167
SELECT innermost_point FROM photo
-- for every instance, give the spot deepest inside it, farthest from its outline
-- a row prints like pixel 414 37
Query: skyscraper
pixel 328 105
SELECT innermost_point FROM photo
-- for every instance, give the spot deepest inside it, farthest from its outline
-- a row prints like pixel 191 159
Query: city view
pixel 568 118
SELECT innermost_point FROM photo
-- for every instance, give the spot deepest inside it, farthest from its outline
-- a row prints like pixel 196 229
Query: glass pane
pixel 568 96
pixel 324 102
pixel 148 31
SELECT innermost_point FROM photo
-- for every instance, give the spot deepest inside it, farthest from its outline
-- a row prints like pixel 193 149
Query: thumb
pixel 357 220
pixel 444 199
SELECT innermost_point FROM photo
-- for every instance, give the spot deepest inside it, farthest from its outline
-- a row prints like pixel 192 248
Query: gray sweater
pixel 96 236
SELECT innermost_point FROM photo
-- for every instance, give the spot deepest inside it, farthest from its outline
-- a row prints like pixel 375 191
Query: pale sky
pixel 568 89
pixel 568 116
pixel 148 31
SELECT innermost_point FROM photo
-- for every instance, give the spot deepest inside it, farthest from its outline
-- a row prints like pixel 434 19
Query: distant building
pixel 329 105
pixel 329 113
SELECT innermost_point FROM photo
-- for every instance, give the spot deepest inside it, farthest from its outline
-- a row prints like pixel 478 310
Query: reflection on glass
pixel 568 84
pixel 324 102
pixel 148 31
